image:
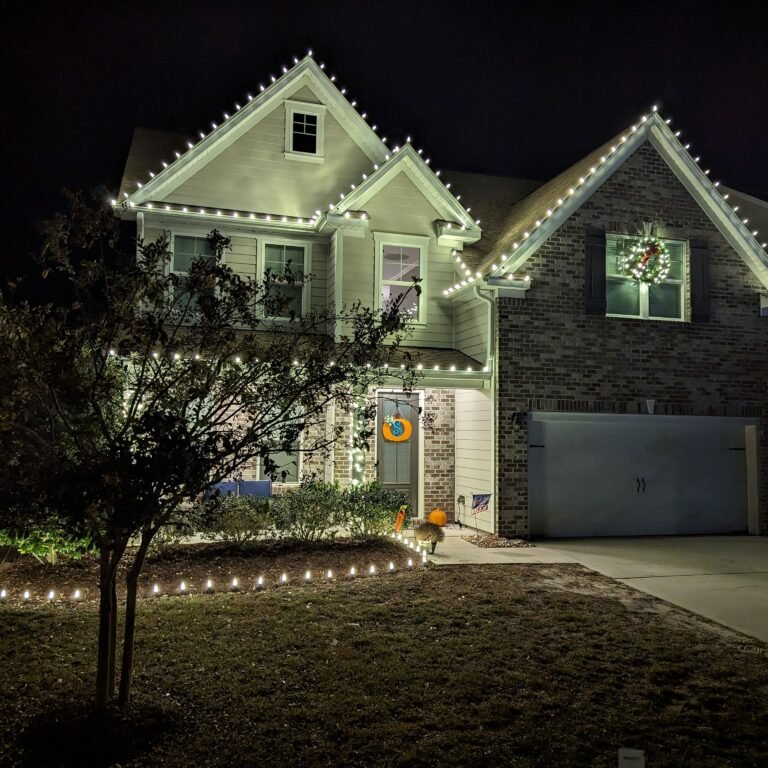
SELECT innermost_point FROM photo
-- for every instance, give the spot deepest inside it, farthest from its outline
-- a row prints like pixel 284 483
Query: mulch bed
pixel 492 541
pixel 195 564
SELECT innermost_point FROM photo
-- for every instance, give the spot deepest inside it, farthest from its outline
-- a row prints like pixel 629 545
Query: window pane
pixel 675 261
pixel 664 300
pixel 400 262
pixel 622 297
pixel 277 257
pixel 188 249
pixel 304 133
pixel 286 461
pixel 614 249
pixel 391 293
pixel 284 300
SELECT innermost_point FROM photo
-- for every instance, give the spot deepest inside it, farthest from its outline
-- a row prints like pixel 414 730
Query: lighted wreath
pixel 647 260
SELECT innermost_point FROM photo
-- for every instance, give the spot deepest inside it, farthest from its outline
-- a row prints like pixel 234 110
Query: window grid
pixel 410 263
pixel 304 133
pixel 615 246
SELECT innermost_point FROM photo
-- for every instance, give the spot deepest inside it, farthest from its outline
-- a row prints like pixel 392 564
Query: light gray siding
pixel 474 454
pixel 400 208
pixel 471 335
pixel 254 175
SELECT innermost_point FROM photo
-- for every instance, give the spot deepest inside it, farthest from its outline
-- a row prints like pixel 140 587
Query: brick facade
pixel 439 455
pixel 438 469
pixel 554 357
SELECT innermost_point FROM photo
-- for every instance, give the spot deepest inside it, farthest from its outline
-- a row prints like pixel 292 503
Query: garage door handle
pixel 643 485
pixel 638 484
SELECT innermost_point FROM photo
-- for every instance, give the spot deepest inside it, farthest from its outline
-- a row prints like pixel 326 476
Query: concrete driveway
pixel 724 578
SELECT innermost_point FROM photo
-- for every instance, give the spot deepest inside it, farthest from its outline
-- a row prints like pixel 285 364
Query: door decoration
pixel 647 260
pixel 396 429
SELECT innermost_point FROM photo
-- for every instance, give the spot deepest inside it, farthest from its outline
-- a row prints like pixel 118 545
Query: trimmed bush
pixel 311 512
pixel 238 520
pixel 371 509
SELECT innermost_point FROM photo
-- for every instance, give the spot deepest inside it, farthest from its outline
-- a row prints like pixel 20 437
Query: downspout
pixel 490 361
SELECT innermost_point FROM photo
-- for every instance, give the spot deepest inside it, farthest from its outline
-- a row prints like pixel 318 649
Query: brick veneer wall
pixel 439 461
pixel 439 455
pixel 554 357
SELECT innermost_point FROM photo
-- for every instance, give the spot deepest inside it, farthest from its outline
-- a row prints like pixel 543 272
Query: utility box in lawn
pixel 631 758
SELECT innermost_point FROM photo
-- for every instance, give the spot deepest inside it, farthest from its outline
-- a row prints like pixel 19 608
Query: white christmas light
pixel 308 576
pixel 209 585
pixel 155 589
pixel 284 578
pixel 183 587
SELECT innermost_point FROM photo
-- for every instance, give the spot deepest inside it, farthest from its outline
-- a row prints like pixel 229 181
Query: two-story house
pixel 586 395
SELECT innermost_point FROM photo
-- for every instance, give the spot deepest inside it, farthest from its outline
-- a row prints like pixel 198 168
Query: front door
pixel 397 444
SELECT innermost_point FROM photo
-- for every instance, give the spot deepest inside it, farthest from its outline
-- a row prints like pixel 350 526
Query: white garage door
pixel 604 475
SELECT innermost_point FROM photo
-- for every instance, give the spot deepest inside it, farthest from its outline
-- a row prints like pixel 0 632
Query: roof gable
pixel 536 217
pixel 306 74
pixel 407 160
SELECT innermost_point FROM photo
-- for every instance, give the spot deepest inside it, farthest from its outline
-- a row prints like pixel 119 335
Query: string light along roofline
pixel 140 199
pixel 631 138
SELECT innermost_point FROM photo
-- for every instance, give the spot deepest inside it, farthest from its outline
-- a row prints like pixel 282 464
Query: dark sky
pixel 508 88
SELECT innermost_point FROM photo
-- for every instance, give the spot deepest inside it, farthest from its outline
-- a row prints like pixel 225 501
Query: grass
pixel 503 665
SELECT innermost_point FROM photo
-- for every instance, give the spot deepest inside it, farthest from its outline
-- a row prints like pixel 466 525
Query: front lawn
pixel 514 665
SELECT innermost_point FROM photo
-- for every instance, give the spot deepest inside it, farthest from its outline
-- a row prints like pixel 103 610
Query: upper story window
pixel 286 298
pixel 628 297
pixel 187 250
pixel 304 131
pixel 400 260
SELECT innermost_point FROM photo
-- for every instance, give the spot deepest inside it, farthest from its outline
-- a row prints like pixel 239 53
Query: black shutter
pixel 699 281
pixel 595 272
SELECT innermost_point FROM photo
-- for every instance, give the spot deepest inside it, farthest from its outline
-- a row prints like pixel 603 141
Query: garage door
pixel 591 475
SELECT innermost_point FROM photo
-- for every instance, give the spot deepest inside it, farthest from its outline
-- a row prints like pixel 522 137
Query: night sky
pixel 509 89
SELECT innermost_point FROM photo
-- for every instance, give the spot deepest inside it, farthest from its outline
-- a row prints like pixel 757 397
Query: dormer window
pixel 304 138
pixel 304 131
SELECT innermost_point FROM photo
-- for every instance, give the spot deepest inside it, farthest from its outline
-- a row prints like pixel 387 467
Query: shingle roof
pixel 148 149
pixel 491 199
pixel 524 214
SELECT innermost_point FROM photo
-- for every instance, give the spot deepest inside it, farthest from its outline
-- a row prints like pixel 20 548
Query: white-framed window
pixel 278 257
pixel 288 462
pixel 627 297
pixel 400 259
pixel 304 131
pixel 186 250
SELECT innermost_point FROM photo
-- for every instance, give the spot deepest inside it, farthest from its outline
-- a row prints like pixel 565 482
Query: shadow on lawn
pixel 69 736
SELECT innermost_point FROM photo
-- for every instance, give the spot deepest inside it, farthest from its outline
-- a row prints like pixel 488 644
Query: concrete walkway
pixel 724 578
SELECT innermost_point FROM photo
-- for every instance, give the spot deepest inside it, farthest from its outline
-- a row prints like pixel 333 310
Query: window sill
pixel 303 157
pixel 648 319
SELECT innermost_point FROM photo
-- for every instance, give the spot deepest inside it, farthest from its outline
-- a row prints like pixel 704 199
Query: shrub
pixel 188 521
pixel 238 520
pixel 310 512
pixel 371 509
pixel 429 532
pixel 46 545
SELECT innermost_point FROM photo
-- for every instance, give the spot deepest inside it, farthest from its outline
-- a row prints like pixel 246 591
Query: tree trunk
pixel 132 584
pixel 105 665
pixel 106 645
